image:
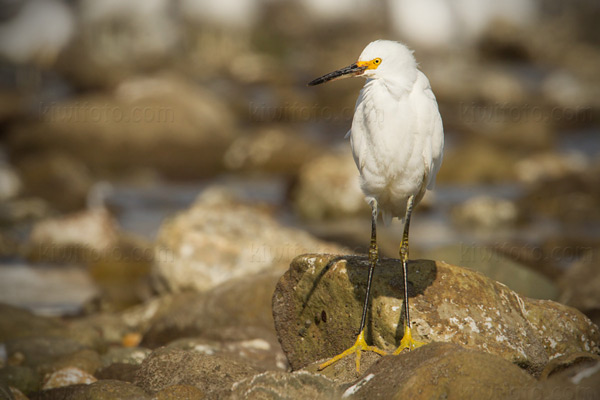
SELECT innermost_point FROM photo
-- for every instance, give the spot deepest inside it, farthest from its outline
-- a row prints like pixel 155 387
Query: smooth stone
pixel 317 308
pixel 66 377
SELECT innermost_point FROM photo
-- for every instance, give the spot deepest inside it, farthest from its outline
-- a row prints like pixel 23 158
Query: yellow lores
pixel 397 141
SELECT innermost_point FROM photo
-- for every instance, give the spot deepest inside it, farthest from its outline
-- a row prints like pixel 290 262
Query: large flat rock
pixel 317 307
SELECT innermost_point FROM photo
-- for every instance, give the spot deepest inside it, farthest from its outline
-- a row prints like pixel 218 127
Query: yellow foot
pixel 408 342
pixel 359 345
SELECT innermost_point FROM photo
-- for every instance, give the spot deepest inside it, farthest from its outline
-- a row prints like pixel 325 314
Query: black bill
pixel 351 70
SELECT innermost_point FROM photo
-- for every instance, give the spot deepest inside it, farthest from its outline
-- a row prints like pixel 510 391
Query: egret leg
pixel 360 344
pixel 407 341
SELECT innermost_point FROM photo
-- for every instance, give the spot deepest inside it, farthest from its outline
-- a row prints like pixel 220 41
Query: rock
pixel 280 385
pixel 237 310
pixel 317 306
pixel 271 150
pixel 77 237
pixel 10 183
pixel 18 323
pixel 37 351
pixel 60 179
pixel 20 210
pixel 571 377
pixel 440 370
pixel 258 353
pixel 125 355
pixel 160 123
pixel 219 239
pixel 485 213
pixel 580 284
pixel 210 373
pixel 118 371
pixel 177 392
pixel 328 187
pixel 66 377
pixel 549 166
pixel 496 266
pixel 85 360
pixel 100 390
pixel 26 379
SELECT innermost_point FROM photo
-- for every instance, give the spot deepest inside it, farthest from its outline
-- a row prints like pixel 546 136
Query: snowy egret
pixel 397 141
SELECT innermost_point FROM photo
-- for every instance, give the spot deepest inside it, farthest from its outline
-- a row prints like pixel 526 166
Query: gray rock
pixel 210 373
pixel 282 386
pixel 318 302
pixel 219 239
pixel 440 370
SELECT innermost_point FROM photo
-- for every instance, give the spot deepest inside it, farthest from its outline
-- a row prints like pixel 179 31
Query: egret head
pixel 383 59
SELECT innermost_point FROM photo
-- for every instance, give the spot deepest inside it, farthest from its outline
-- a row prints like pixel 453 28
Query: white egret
pixel 397 141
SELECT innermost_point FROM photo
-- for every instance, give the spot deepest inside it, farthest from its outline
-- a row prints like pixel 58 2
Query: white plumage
pixel 397 136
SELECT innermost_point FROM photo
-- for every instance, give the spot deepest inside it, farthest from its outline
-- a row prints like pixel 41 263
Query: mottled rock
pixel 119 371
pixel 440 370
pixel 66 377
pixel 328 187
pixel 318 302
pixel 281 385
pixel 210 373
pixel 26 379
pixel 219 239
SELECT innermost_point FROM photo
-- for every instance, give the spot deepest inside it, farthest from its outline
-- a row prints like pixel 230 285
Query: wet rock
pixel 26 379
pixel 210 373
pixel 493 264
pixel 272 150
pixel 280 385
pixel 220 239
pixel 77 237
pixel 486 213
pixel 60 179
pixel 440 370
pixel 159 123
pixel 580 284
pixel 448 304
pixel 66 377
pixel 177 392
pixel 237 310
pixel 328 187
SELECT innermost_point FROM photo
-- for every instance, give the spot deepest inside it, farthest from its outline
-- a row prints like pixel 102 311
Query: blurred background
pixel 114 115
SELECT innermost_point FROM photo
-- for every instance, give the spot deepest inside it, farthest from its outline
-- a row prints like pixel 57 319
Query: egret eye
pixel 377 61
